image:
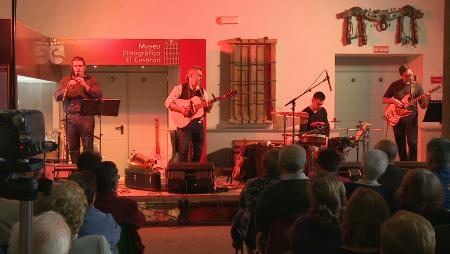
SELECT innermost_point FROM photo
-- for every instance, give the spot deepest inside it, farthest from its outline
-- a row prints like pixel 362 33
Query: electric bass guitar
pixel 393 113
pixel 197 106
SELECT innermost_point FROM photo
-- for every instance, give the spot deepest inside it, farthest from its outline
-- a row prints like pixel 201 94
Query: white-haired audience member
pixel 393 175
pixel 374 165
pixel 438 159
pixel 51 234
pixel 407 232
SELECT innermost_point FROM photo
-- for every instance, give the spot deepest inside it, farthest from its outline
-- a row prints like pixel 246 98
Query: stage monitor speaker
pixel 143 179
pixel 190 177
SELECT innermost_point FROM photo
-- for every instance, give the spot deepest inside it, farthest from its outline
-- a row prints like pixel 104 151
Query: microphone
pixel 328 80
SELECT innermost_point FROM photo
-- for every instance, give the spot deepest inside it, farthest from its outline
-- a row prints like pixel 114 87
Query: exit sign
pixel 380 49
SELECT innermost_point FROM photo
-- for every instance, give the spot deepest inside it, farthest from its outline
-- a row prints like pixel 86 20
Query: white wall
pixel 307 31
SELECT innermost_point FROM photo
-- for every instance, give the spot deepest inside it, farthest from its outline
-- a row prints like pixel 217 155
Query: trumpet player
pixel 71 91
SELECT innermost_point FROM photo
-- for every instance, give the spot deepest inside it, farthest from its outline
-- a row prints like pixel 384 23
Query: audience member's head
pixel 66 198
pixel 270 163
pixel 88 182
pixel 407 232
pixel 50 234
pixel 292 159
pixel 388 147
pixel 329 160
pixel 420 192
pixel 365 211
pixel 107 177
pixel 374 164
pixel 438 153
pixel 326 196
pixel 88 160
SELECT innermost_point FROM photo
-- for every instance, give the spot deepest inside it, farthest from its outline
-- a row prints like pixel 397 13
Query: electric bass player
pixel 193 132
pixel 400 93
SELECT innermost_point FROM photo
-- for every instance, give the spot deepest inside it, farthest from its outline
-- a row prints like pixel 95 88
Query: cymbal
pixel 285 113
pixel 335 121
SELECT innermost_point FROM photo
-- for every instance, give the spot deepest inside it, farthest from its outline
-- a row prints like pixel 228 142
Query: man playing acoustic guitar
pixel 193 132
pixel 399 93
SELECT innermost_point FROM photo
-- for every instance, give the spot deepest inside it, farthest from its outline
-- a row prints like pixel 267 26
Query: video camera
pixel 22 136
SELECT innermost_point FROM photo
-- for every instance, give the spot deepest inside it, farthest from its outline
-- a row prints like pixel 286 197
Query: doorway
pixel 142 92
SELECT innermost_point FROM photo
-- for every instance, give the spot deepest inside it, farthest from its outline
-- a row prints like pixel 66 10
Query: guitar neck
pixel 423 95
pixel 211 101
pixel 157 148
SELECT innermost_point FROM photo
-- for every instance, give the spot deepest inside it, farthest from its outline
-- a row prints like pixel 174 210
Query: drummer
pixel 318 117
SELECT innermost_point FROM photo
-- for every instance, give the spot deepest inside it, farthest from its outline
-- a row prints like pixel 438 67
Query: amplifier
pixel 143 179
pixel 190 177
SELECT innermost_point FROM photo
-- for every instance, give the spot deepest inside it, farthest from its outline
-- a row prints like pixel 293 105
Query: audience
pixel 96 244
pixel 289 197
pixel 438 159
pixel 421 193
pixel 374 164
pixel 365 212
pixel 124 210
pixel 407 232
pixel 330 160
pixel 243 228
pixel 50 234
pixel 319 230
pixel 88 160
pixel 66 198
pixel 95 221
pixel 393 175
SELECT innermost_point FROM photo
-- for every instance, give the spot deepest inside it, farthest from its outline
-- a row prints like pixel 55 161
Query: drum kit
pixel 313 141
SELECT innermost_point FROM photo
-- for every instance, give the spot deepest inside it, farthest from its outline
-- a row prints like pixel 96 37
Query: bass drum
pixel 339 143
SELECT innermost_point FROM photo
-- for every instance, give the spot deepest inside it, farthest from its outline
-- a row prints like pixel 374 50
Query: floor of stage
pixel 165 208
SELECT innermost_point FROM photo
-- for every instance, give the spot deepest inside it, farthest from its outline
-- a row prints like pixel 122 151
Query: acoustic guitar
pixel 393 113
pixel 197 106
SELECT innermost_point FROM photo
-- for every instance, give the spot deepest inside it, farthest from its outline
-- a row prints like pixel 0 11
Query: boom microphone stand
pixel 293 101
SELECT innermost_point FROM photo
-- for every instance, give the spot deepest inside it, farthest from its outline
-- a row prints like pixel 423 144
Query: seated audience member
pixel 244 221
pixel 289 197
pixel 438 159
pixel 95 244
pixel 50 234
pixel 319 230
pixel 9 215
pixel 88 160
pixel 330 160
pixel 407 232
pixel 95 221
pixel 360 230
pixel 421 192
pixel 393 175
pixel 374 164
pixel 66 198
pixel 124 210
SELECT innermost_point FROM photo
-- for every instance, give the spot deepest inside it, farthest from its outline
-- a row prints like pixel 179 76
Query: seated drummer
pixel 318 117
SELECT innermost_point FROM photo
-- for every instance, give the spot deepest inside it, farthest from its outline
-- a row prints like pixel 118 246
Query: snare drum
pixel 313 139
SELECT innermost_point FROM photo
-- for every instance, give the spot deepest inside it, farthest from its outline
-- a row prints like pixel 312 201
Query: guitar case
pixel 143 179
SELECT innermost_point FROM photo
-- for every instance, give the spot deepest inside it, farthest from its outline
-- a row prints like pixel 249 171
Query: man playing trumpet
pixel 72 90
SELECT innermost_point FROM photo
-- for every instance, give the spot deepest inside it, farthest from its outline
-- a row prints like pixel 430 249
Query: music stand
pixel 434 112
pixel 100 107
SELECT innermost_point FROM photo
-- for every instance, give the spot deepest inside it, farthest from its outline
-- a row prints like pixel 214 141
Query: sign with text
pixel 437 79
pixel 380 49
pixel 118 51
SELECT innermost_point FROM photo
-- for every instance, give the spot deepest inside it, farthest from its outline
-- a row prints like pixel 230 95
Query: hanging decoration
pixel 381 20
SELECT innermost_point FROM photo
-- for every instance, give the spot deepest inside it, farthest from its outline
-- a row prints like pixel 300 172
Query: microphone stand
pixel 293 102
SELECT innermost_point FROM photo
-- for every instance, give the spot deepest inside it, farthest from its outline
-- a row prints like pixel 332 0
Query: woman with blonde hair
pixel 319 230
pixel 366 211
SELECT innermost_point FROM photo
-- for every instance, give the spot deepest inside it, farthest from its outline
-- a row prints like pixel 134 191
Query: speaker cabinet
pixel 190 177
pixel 143 179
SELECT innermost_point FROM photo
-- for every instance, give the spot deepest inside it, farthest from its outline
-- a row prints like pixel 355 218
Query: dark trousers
pixel 79 127
pixel 193 133
pixel 406 131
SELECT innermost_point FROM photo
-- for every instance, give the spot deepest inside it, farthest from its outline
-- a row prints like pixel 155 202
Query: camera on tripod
pixel 22 136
